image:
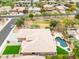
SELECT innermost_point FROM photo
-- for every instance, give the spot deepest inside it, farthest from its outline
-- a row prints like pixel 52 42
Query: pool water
pixel 61 41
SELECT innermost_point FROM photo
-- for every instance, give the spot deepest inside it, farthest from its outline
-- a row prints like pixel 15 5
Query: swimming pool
pixel 61 41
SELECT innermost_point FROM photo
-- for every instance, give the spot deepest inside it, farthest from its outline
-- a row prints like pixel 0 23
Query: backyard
pixel 61 54
pixel 61 51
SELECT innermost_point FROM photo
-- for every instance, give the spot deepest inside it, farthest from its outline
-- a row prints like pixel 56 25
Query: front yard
pixel 14 49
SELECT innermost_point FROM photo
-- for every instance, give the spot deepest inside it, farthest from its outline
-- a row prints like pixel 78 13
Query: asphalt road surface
pixel 10 16
pixel 6 30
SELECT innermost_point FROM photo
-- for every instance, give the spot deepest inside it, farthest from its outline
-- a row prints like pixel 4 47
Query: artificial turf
pixel 14 49
pixel 61 51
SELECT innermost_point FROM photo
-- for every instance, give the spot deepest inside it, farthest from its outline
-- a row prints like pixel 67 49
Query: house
pixel 38 42
pixel 24 2
pixel 5 9
pixel 48 7
pixel 17 10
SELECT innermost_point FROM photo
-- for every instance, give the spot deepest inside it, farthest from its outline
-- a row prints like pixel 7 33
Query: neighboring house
pixel 18 9
pixel 35 10
pixel 5 9
pixel 48 7
pixel 61 9
pixel 24 2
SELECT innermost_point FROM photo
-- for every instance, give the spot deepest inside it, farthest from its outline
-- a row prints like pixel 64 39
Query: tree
pixel 77 16
pixel 68 23
pixel 75 52
pixel 22 18
pixel 31 16
pixel 77 21
pixel 19 22
pixel 8 2
pixel 39 4
pixel 72 8
pixel 53 23
pixel 25 11
pixel 12 5
pixel 43 10
pixel 77 4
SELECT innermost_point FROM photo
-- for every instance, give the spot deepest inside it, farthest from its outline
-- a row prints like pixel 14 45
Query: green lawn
pixel 61 51
pixel 14 49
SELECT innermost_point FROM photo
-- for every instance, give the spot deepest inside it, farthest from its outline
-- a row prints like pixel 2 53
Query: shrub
pixel 19 22
pixel 77 16
pixel 31 16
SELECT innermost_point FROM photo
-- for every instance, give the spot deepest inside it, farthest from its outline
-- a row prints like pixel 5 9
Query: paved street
pixel 13 16
pixel 10 16
pixel 5 31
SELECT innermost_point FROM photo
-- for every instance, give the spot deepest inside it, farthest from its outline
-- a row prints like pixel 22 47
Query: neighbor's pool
pixel 61 41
